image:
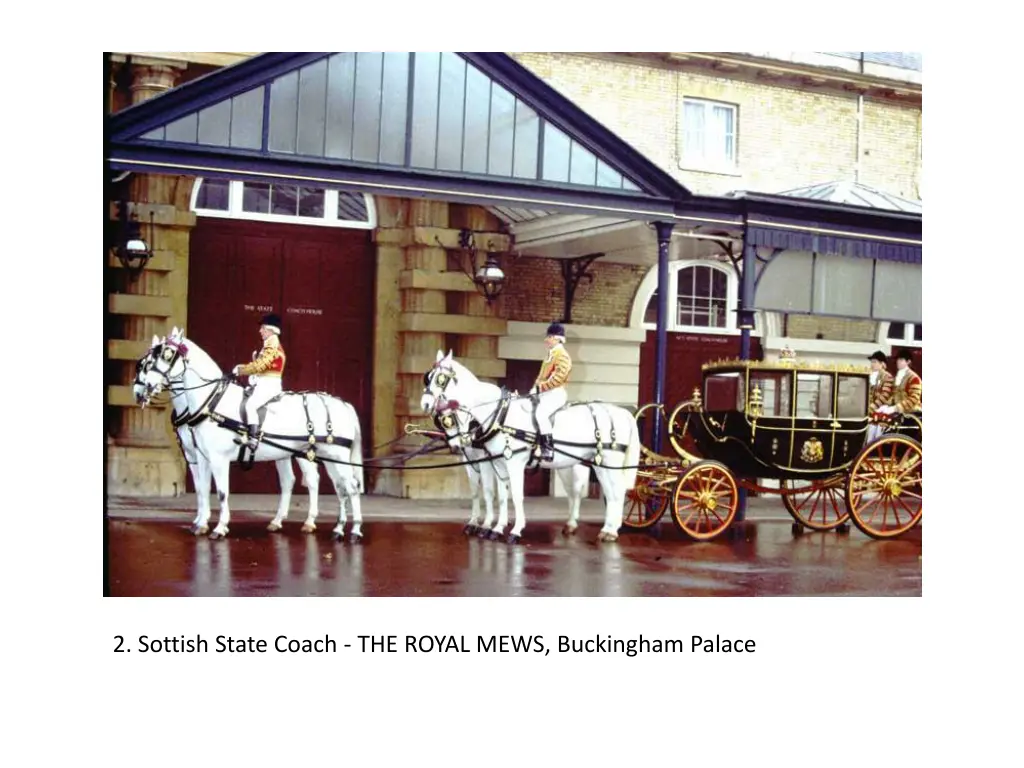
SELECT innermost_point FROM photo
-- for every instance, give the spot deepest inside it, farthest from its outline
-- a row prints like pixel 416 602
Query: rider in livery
pixel 880 393
pixel 264 372
pixel 906 392
pixel 548 391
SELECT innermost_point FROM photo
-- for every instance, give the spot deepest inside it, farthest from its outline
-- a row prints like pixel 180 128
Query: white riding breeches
pixel 265 388
pixel 548 403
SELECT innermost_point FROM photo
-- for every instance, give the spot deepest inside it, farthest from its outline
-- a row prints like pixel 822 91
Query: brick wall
pixel 787 136
pixel 536 291
pixel 831 328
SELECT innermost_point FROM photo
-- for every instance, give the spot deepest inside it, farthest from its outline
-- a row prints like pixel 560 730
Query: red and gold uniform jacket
pixel 269 361
pixel 881 391
pixel 554 372
pixel 907 392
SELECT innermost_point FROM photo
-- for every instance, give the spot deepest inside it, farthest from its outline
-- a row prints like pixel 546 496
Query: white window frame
pixel 908 339
pixel 649 285
pixel 689 161
pixel 330 217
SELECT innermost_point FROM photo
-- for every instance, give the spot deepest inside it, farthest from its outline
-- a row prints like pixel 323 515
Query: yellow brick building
pixel 783 122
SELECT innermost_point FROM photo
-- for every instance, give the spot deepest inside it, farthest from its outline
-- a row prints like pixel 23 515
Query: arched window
pixel 286 203
pixel 702 298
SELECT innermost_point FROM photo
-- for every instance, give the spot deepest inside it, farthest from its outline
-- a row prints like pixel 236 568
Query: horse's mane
pixel 468 376
pixel 464 372
pixel 197 355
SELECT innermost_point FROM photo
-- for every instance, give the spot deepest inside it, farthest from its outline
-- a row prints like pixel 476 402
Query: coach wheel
pixel 646 503
pixel 705 500
pixel 819 505
pixel 883 489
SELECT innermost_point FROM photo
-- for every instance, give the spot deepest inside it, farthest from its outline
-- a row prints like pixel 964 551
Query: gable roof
pixel 474 126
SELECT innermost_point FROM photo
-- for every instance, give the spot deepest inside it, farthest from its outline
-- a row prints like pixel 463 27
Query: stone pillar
pixel 143 456
pixel 424 303
pixel 151 80
pixel 417 347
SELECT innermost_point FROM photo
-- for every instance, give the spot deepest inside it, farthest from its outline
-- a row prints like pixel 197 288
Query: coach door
pixel 319 280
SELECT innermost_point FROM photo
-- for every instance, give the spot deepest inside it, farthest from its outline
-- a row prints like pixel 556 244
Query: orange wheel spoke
pixel 872 503
pixel 903 472
pixel 833 499
pixel 803 503
pixel 904 505
pixel 717 484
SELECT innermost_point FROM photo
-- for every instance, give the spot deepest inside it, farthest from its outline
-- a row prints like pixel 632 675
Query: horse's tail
pixel 357 449
pixel 632 452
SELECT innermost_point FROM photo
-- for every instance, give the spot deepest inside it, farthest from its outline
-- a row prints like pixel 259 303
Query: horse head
pixel 439 382
pixel 140 391
pixel 163 365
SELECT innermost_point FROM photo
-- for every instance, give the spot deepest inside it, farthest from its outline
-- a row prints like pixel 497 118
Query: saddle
pixel 252 434
pixel 536 455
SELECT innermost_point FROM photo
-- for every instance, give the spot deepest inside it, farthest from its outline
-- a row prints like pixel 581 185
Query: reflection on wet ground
pixel 160 558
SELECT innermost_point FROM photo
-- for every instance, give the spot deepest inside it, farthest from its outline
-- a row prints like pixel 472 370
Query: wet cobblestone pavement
pixel 401 558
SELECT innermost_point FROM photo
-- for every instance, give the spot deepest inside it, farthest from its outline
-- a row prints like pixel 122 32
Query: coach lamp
pixel 132 250
pixel 489 278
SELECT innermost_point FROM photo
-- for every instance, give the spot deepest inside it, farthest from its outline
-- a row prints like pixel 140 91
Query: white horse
pixel 483 477
pixel 197 464
pixel 598 434
pixel 309 426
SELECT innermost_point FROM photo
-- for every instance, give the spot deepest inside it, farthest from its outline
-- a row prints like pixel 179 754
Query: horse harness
pixel 172 352
pixel 480 434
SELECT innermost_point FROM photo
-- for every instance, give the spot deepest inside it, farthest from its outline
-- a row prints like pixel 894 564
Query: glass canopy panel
pixel 428 110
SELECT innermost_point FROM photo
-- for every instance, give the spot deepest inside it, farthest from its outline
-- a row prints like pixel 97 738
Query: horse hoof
pixel 200 530
pixel 607 537
pixel 482 533
pixel 338 536
pixel 273 527
pixel 468 529
pixel 308 528
pixel 494 535
pixel 512 539
pixel 218 535
pixel 569 531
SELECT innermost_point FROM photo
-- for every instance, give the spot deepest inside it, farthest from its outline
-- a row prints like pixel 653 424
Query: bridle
pixel 171 352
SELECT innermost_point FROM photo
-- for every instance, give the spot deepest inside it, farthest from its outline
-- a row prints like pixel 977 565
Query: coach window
pixel 853 397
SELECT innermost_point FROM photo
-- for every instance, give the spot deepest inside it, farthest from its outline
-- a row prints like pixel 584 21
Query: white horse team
pixel 478 415
pixel 491 429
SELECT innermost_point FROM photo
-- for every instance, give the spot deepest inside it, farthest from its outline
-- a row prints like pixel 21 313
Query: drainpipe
pixel 664 230
pixel 860 128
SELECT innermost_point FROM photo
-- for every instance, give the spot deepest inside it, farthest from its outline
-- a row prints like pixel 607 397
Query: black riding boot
pixel 547 447
pixel 253 441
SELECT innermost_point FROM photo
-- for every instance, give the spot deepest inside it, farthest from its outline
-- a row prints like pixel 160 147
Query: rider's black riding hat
pixel 904 354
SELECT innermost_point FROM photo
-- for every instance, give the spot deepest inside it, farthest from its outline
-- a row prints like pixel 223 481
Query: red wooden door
pixel 318 280
pixel 685 355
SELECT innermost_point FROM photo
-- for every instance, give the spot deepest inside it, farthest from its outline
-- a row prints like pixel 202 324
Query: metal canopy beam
pixel 196 161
